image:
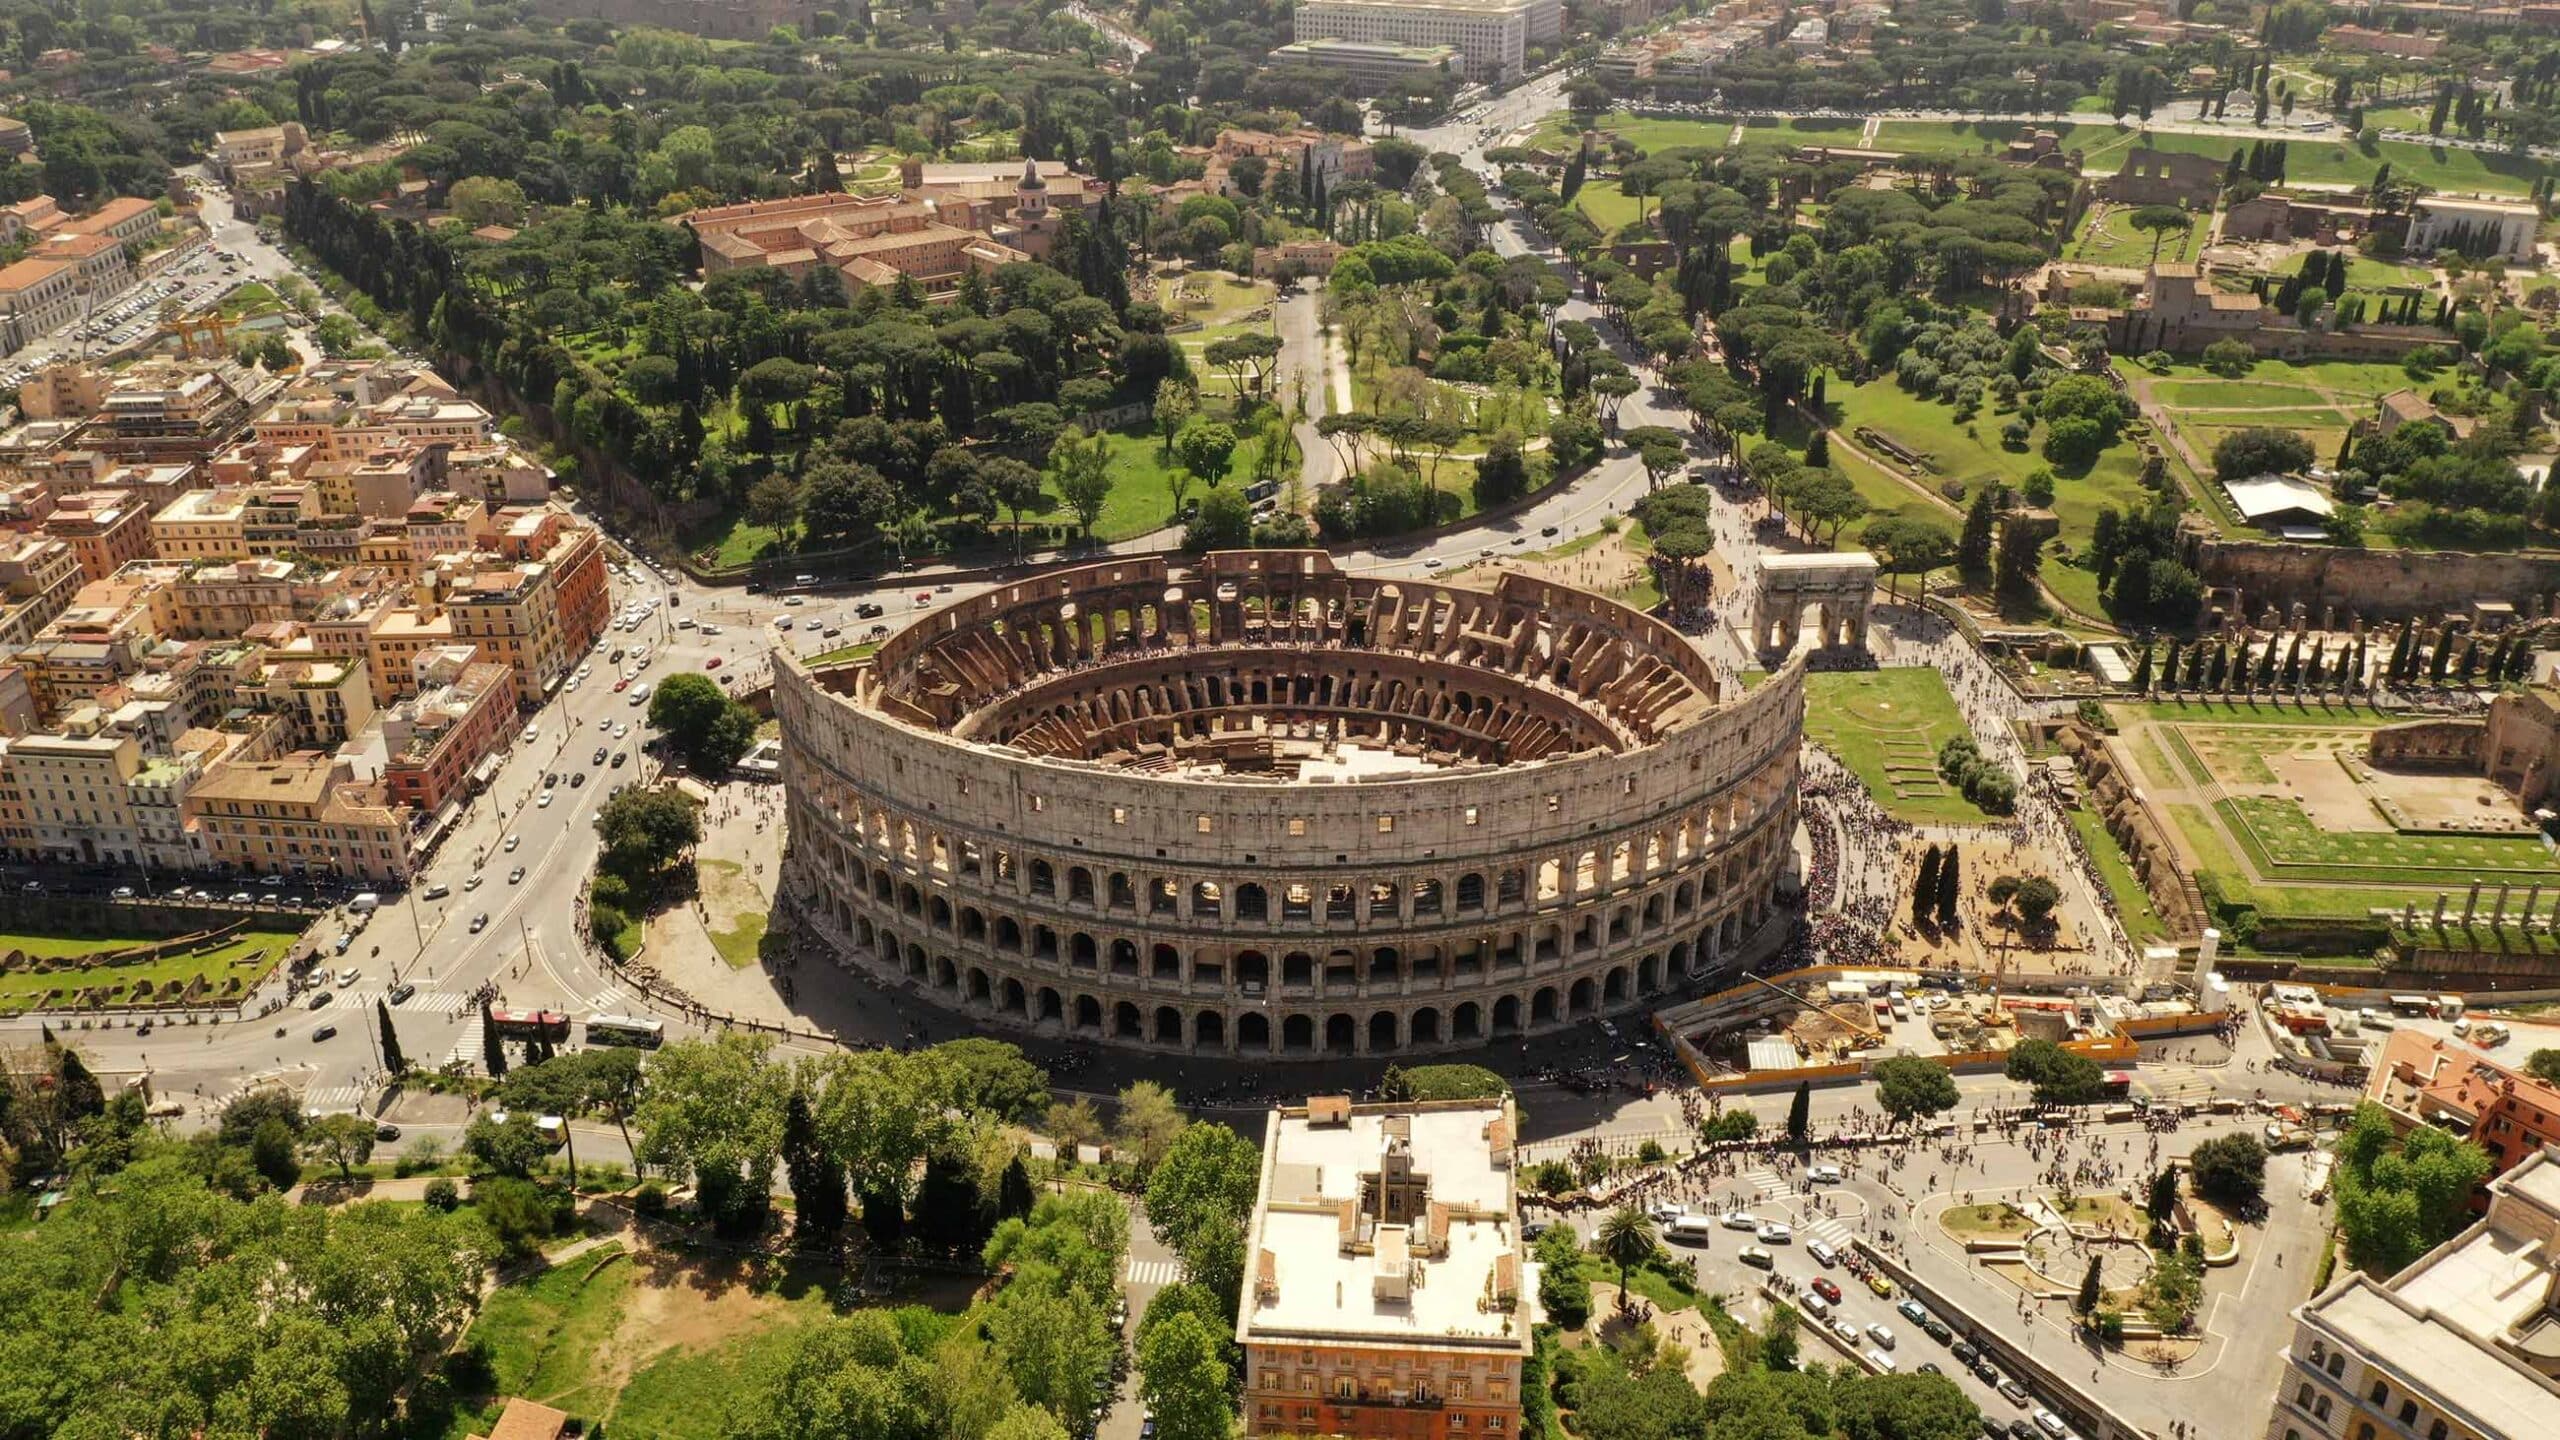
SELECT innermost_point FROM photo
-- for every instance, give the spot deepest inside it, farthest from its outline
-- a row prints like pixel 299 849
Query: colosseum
pixel 1256 806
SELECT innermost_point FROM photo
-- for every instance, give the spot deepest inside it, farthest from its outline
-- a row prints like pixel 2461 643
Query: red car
pixel 620 685
pixel 711 664
pixel 1826 1290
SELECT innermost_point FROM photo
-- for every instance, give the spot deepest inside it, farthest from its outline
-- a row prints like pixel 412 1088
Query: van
pixel 365 903
pixel 2115 1113
pixel 1815 1306
pixel 1691 1230
pixel 684 622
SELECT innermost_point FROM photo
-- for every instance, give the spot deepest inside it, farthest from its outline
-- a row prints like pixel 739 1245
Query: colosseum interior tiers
pixel 1257 806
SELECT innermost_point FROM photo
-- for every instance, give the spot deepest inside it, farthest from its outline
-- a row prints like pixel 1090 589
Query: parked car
pixel 1824 1288
pixel 323 1033
pixel 321 999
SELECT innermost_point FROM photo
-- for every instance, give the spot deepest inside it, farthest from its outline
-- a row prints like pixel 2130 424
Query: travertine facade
pixel 1264 807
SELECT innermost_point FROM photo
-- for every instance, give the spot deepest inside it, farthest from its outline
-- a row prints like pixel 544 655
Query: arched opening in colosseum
pixel 1424 1028
pixel 1208 1031
pixel 1424 964
pixel 1206 897
pixel 1550 879
pixel 1382 1032
pixel 915 956
pixel 1384 900
pixel 1168 1025
pixel 972 860
pixel 1051 1007
pixel 907 841
pixel 1680 958
pixel 938 852
pixel 1622 923
pixel 1341 1034
pixel 1297 968
pixel 1165 963
pixel 1088 1013
pixel 1542 1006
pixel 1008 934
pixel 979 988
pixel 1253 971
pixel 1341 903
pixel 1253 1033
pixel 1044 878
pixel 1653 848
pixel 1470 893
pixel 1015 1002
pixel 1124 957
pixel 973 924
pixel 1426 897
pixel 1252 902
pixel 1297 903
pixel 1649 974
pixel 1079 885
pixel 1082 952
pixel 1467 1021
pixel 945 974
pixel 1044 944
pixel 1341 967
pixel 1613 986
pixel 1579 999
pixel 1383 963
pixel 1207 969
pixel 1654 907
pixel 1126 1023
pixel 911 900
pixel 863 934
pixel 1123 891
pixel 880 886
pixel 1550 944
pixel 941 914
pixel 1506 1015
pixel 1622 860
pixel 1298 1034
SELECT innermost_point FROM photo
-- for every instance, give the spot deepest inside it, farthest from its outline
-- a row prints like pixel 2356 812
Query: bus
pixel 625 1030
pixel 530 1024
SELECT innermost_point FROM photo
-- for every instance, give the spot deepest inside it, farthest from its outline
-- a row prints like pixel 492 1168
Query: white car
pixel 1881 1335
pixel 710 629
pixel 544 803
pixel 1774 1233
pixel 621 728
pixel 1883 1362
pixel 1821 1250
pixel 1665 1214
pixel 512 842
pixel 1825 1175
pixel 1740 1220
pixel 2051 1424
pixel 1846 1330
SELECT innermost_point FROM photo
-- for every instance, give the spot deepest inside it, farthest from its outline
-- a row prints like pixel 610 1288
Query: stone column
pixel 2471 903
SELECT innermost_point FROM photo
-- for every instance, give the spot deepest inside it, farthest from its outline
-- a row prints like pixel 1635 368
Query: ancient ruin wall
pixel 2373 584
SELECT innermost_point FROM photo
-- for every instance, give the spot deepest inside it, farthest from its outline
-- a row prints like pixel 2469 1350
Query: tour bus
pixel 625 1030
pixel 530 1024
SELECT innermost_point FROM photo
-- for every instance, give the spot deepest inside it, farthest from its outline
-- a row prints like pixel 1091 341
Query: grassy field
pixel 246 959
pixel 2225 394
pixel 731 539
pixel 2284 844
pixel 2260 712
pixel 1141 497
pixel 734 900
pixel 2142 921
pixel 1978 457
pixel 1887 726
pixel 1607 206
pixel 2107 237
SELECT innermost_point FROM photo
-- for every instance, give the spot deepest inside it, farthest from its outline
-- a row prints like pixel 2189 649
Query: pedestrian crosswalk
pixel 423 999
pixel 467 1046
pixel 1771 1186
pixel 339 1097
pixel 615 1001
pixel 1154 1272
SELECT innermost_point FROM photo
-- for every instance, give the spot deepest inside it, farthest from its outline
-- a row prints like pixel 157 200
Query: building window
pixel 1297 827
pixel 2337 1366
pixel 1386 824
pixel 1200 824
pixel 2381 1393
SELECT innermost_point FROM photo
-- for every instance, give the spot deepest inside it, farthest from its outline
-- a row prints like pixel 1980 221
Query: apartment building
pixel 323 701
pixel 234 524
pixel 1491 36
pixel 405 636
pixel 162 411
pixel 98 792
pixel 299 814
pixel 38 577
pixel 106 530
pixel 225 601
pixel 63 390
pixel 2462 1345
pixel 127 220
pixel 539 606
pixel 1340 1334
pixel 2424 1080
pixel 1370 66
pixel 866 240
pixel 463 712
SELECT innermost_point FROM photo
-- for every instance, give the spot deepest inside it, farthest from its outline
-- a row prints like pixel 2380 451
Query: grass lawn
pixel 1217 299
pixel 245 959
pixel 2107 237
pixel 729 540
pixel 2285 844
pixel 1648 135
pixel 1965 137
pixel 2366 273
pixel 844 654
pixel 2261 712
pixel 1985 1222
pixel 2133 903
pixel 1607 206
pixel 1979 458
pixel 733 897
pixel 1141 497
pixel 253 297
pixel 1887 726
pixel 2230 394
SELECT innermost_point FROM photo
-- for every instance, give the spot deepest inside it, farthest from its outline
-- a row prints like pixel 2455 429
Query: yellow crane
pixel 201 337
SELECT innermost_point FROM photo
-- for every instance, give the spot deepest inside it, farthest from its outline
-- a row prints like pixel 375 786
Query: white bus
pixel 625 1030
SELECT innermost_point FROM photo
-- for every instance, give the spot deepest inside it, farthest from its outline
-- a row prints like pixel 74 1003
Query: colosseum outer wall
pixel 1249 914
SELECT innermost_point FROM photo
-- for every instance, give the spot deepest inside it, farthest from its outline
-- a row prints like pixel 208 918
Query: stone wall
pixel 2374 584
pixel 2430 744
pixel 2129 819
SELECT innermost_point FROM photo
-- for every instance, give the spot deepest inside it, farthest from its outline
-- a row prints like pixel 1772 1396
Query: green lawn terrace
pixel 1887 726
pixel 2316 161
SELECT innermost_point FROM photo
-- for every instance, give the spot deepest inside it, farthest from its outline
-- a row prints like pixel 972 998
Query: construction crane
pixel 200 337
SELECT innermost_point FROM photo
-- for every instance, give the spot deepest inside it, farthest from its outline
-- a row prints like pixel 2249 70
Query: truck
pixel 365 903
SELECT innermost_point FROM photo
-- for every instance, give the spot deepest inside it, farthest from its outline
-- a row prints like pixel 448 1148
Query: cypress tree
pixel 817 1182
pixel 1924 886
pixel 493 1048
pixel 1947 882
pixel 2142 673
pixel 1800 1113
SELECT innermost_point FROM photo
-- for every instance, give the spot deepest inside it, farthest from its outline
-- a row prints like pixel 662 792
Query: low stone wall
pixel 2374 584
pixel 2087 1416
pixel 2140 832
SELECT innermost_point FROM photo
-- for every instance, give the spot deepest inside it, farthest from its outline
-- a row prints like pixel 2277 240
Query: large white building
pixel 2462 1345
pixel 1491 37
pixel 2437 224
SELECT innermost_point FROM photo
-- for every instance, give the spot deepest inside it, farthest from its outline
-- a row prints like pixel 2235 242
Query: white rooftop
pixel 2441 1325
pixel 2277 495
pixel 1385 1278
